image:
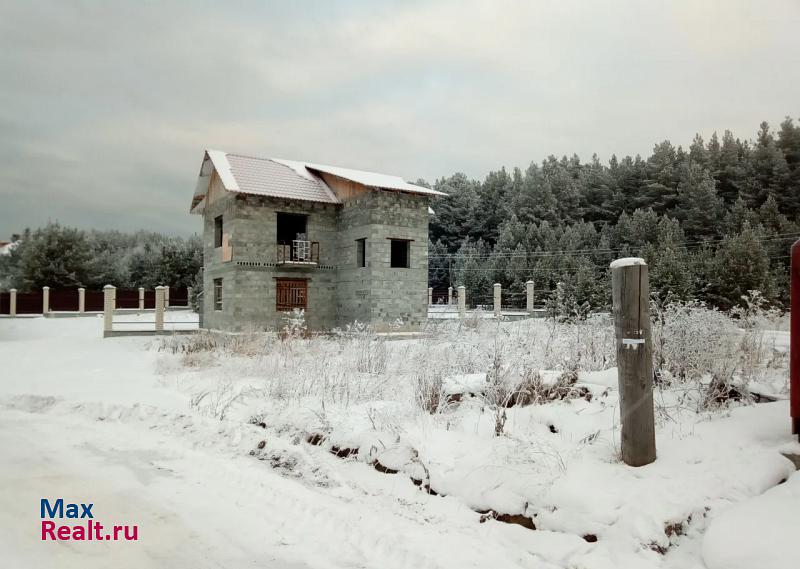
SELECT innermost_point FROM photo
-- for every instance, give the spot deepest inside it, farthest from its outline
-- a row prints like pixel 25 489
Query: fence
pixel 495 302
pixel 510 299
pixel 27 303
pixel 146 322
pixel 439 296
pixel 68 300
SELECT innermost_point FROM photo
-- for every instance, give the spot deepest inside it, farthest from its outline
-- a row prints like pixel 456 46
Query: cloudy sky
pixel 106 107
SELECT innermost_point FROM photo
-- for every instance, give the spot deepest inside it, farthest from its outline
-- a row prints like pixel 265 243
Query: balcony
pixel 298 253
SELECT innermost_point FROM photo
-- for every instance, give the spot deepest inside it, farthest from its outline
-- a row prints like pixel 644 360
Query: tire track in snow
pixel 351 533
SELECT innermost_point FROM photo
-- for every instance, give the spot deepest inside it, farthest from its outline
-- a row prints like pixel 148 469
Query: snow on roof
pixel 287 178
pixel 372 179
pixel 271 178
pixel 627 262
pixel 223 168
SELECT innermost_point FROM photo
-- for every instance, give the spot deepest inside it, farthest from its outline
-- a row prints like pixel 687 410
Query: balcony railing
pixel 298 252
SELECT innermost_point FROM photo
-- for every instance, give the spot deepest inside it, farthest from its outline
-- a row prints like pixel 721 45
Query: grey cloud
pixel 105 108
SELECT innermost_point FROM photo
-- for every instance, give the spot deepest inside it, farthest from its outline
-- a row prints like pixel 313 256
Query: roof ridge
pixel 248 156
pixel 316 166
pixel 319 181
pixel 313 165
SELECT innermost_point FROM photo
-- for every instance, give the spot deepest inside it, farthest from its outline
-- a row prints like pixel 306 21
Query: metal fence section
pixel 66 300
pixel 63 300
pixel 29 302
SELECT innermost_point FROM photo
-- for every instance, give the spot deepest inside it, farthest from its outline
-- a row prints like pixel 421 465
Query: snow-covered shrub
pixel 217 402
pixel 708 354
pixel 499 390
pixel 474 319
pixel 429 393
pixel 590 343
pixel 690 339
pixel 203 341
pixel 756 312
pixel 249 343
pixel 755 352
pixel 198 359
pixel 530 390
pixel 371 349
pixel 295 326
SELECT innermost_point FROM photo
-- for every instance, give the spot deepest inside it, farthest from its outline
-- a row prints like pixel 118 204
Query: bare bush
pixel 371 348
pixel 711 356
pixel 429 388
pixel 689 337
pixel 217 402
pixel 474 319
pixel 498 392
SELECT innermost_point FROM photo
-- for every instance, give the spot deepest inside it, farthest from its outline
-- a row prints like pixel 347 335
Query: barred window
pixel 291 294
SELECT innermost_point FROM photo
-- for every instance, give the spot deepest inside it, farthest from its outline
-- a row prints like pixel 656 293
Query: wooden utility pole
pixel 630 292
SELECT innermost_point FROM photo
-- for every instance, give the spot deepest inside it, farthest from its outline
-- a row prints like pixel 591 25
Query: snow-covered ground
pixel 202 442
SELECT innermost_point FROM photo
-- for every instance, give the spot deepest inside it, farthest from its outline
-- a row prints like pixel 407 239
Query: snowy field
pixel 255 450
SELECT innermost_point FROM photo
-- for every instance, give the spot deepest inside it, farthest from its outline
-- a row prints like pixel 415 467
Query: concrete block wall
pixel 339 292
pixel 394 293
pixel 255 227
pixel 254 298
pixel 214 267
pixel 354 283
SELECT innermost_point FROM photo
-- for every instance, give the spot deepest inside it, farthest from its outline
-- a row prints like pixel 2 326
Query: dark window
pixel 361 252
pixel 217 294
pixel 291 227
pixel 290 294
pixel 293 243
pixel 400 253
pixel 218 231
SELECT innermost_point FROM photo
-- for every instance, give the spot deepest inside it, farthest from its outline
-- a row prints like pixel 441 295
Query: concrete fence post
pixel 497 300
pixel 12 309
pixel 141 298
pixel 529 297
pixel 166 297
pixel 160 301
pixel 45 300
pixel 449 295
pixel 462 301
pixel 630 291
pixel 81 300
pixel 109 304
pixel 189 296
pixel 430 296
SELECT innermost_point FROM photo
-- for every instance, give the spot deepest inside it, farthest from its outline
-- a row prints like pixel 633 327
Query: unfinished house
pixel 342 245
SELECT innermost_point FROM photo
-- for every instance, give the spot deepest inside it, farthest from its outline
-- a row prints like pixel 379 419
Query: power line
pixel 589 252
